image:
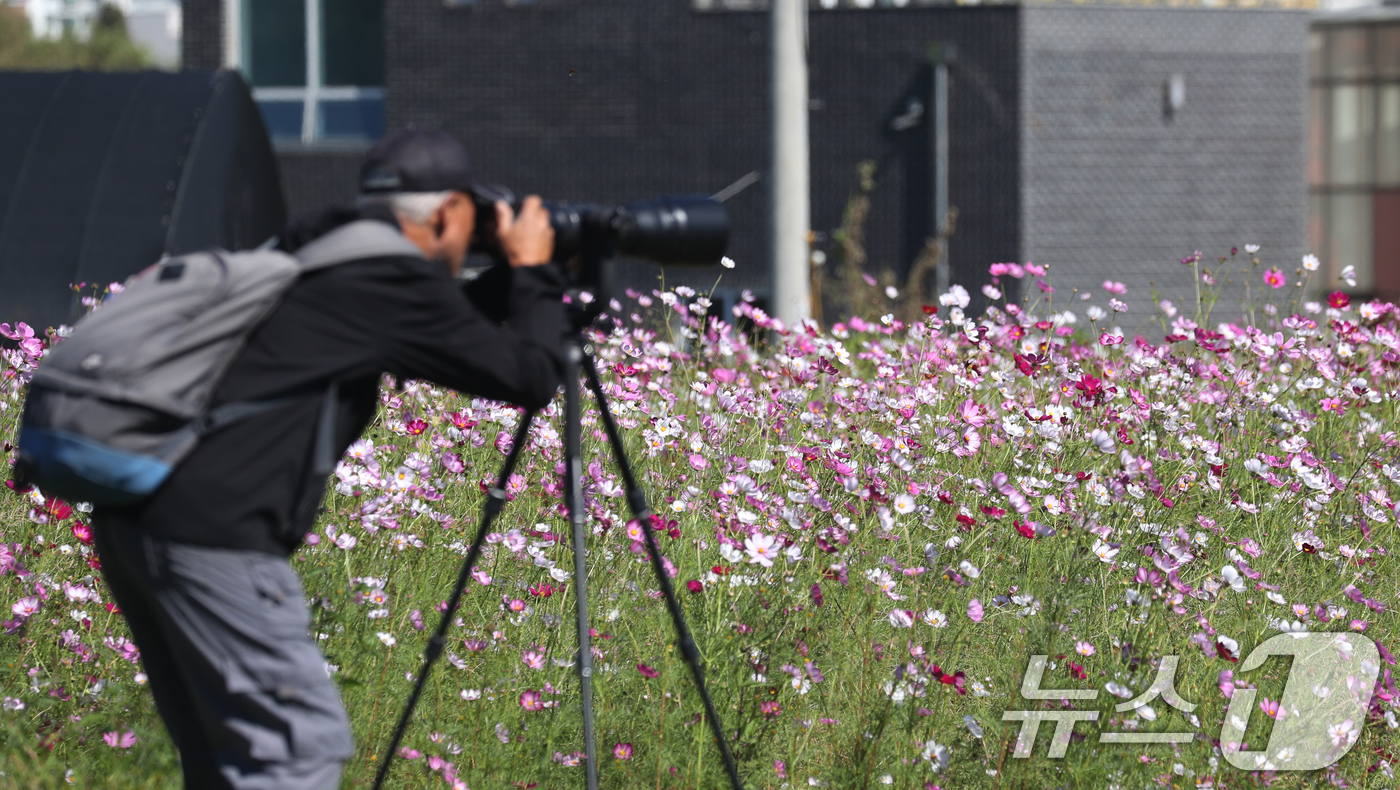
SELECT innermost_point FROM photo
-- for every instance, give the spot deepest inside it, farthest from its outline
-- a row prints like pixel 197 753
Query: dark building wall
pixel 865 66
pixel 631 98
pixel 1115 187
pixel 1061 151
pixel 201 37
pixel 313 178
pixel 625 99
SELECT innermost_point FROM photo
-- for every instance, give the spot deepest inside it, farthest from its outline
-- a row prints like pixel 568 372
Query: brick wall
pixel 1115 187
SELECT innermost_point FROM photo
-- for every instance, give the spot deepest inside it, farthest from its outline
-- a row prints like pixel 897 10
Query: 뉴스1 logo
pixel 1319 718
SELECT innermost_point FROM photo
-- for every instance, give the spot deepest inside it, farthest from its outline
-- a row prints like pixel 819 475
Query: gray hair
pixel 414 207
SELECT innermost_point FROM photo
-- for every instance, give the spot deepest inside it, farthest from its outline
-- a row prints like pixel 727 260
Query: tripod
pixel 578 358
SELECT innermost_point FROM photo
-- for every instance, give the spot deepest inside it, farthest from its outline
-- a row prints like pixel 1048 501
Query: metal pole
pixel 790 190
pixel 573 452
pixel 313 71
pixel 940 166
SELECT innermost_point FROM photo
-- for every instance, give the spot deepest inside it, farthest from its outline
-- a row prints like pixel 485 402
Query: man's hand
pixel 526 240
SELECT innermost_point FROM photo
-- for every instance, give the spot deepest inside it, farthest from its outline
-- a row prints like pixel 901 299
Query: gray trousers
pixel 223 637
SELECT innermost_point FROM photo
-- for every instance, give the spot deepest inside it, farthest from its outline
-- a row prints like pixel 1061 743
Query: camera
pixel 688 230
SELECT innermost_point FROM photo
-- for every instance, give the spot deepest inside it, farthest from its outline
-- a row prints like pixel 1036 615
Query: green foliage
pixel 108 49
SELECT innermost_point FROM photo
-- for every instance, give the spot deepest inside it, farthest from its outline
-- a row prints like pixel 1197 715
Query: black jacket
pixel 251 486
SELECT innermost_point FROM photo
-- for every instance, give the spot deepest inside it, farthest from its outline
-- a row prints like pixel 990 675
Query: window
pixel 316 66
pixel 1354 151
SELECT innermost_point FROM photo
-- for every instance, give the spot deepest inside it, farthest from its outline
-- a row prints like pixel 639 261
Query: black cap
pixel 417 160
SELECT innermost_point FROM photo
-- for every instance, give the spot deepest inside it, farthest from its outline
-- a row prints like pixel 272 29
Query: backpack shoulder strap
pixel 363 238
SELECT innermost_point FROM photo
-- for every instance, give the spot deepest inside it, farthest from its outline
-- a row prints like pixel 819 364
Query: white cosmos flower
pixel 1103 440
pixel 1105 551
pixel 904 503
pixel 1343 732
pixel 956 295
pixel 731 553
pixel 387 638
pixel 1311 263
pixel 1251 248
pixel 761 549
pixel 1232 577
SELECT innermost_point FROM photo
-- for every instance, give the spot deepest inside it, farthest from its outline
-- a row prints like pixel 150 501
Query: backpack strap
pixel 363 238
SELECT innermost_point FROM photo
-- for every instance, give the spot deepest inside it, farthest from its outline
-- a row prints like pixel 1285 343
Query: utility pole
pixel 790 186
pixel 939 56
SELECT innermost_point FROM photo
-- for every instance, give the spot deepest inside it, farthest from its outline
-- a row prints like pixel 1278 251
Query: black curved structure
pixel 102 174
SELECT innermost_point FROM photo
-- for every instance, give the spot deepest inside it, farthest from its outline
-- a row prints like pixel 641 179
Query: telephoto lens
pixel 675 230
pixel 686 230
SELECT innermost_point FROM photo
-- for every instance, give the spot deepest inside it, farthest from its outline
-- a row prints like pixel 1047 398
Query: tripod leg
pixel 637 501
pixel 573 452
pixel 495 501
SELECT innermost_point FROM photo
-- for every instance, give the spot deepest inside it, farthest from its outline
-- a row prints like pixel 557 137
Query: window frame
pixel 315 92
pixel 1328 191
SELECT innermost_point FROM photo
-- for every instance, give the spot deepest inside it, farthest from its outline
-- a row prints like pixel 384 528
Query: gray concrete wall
pixel 1114 187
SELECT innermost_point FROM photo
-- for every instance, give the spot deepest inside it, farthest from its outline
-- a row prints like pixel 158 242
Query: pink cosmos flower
pixel 974 610
pixel 647 671
pixel 532 659
pixel 1115 287
pixel 623 751
pixel 971 443
pixel 25 607
pixel 124 740
pixel 1226 682
pixel 530 700
pixel 1275 278
pixel 1272 709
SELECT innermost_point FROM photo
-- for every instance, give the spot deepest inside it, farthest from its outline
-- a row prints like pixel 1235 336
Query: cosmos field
pixel 873 527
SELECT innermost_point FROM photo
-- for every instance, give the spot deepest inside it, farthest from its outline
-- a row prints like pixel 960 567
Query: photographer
pixel 201 569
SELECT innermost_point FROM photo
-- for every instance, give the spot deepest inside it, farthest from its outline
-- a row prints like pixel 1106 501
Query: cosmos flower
pixel 761 549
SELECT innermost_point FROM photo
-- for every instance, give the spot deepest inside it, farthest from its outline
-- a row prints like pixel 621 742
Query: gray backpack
pixel 124 398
